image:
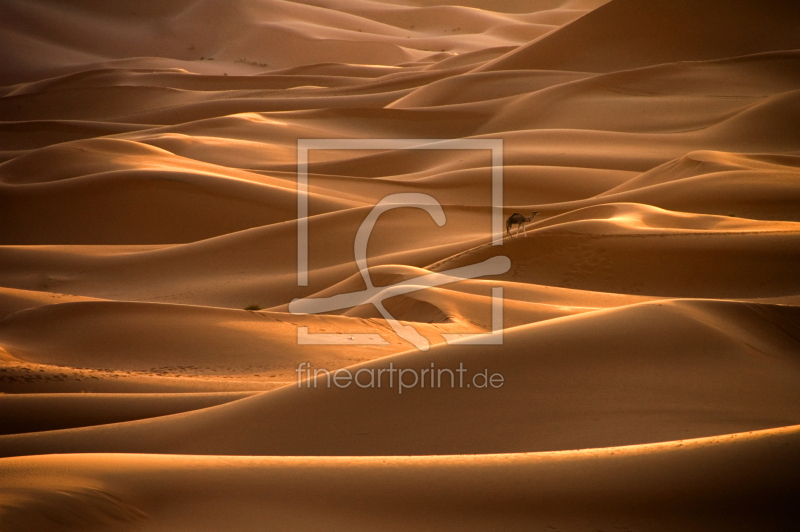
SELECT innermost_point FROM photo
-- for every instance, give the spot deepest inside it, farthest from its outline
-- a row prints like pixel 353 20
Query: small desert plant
pixel 254 306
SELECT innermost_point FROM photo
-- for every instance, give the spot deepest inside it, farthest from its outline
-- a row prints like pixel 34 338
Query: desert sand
pixel 153 363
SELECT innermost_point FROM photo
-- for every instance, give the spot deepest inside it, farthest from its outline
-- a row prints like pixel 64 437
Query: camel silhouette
pixel 520 220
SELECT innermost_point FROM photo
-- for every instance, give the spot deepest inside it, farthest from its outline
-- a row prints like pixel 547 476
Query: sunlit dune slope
pixel 642 373
pixel 661 487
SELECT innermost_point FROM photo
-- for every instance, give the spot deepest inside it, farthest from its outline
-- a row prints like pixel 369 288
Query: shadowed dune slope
pixel 42 412
pixel 718 483
pixel 649 33
pixel 660 99
pixel 643 373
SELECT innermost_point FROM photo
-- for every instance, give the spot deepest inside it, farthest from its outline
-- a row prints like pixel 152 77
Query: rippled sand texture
pixel 651 314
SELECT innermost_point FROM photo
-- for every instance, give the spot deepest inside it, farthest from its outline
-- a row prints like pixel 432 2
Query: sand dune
pixel 42 412
pixel 698 368
pixel 648 331
pixel 699 163
pixel 483 86
pixel 661 99
pixel 649 34
pixel 148 196
pixel 12 300
pixel 614 255
pixel 660 487
pixel 188 339
pixel 159 274
pixel 367 32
